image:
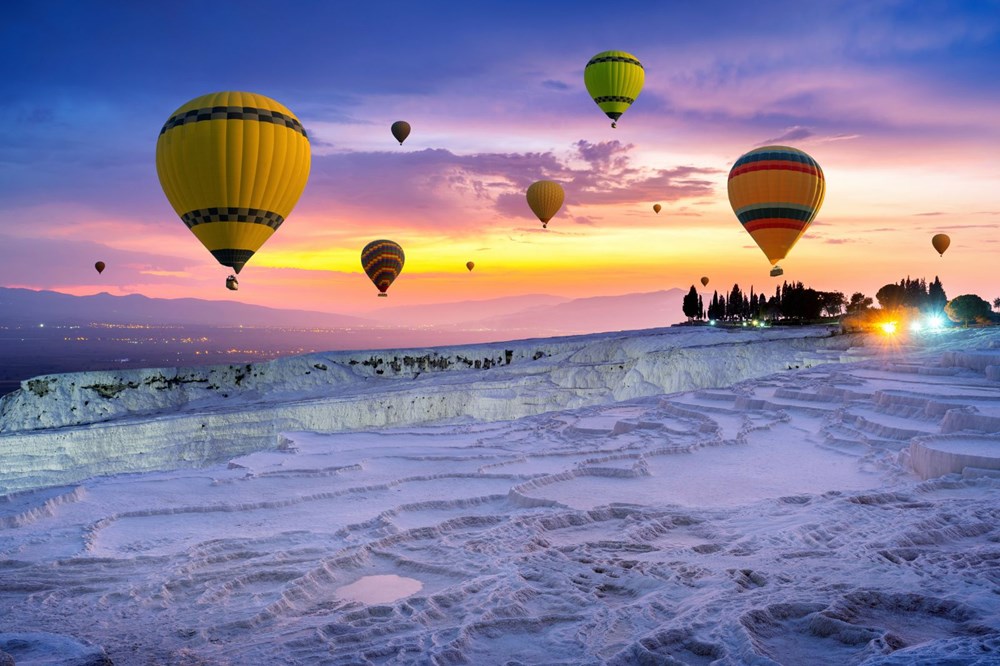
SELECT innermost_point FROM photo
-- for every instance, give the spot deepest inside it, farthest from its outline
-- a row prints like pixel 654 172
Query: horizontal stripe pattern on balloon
pixel 234 113
pixel 382 261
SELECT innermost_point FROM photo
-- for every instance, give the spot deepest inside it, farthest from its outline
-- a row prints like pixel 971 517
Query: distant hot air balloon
pixel 545 197
pixel 941 243
pixel 232 283
pixel 233 165
pixel 400 130
pixel 614 79
pixel 100 267
pixel 657 208
pixel 383 262
pixel 776 191
pixel 470 265
pixel 704 282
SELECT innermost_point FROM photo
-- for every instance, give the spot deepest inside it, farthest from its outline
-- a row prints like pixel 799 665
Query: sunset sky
pixel 898 101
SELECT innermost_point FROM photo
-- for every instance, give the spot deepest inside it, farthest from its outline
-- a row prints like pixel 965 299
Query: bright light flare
pixel 935 322
pixel 889 327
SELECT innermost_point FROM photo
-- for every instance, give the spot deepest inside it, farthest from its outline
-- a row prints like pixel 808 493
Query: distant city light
pixel 916 326
pixel 711 322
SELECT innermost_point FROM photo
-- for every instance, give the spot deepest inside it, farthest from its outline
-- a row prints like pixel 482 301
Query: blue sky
pixel 899 101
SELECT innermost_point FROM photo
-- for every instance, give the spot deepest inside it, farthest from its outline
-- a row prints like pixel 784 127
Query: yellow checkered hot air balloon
pixel 614 79
pixel 233 165
pixel 776 192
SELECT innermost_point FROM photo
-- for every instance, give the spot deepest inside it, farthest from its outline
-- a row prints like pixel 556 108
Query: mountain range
pixel 532 314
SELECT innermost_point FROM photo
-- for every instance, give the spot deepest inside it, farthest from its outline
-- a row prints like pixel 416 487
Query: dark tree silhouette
pixel 690 304
pixel 891 296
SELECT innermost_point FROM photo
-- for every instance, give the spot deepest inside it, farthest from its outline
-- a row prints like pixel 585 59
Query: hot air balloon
pixel 657 208
pixel 233 165
pixel 470 265
pixel 941 243
pixel 100 267
pixel 776 191
pixel 232 284
pixel 383 262
pixel 400 130
pixel 704 282
pixel 545 197
pixel 614 79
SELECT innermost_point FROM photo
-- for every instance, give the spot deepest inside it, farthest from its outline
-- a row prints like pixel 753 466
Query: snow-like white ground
pixel 778 519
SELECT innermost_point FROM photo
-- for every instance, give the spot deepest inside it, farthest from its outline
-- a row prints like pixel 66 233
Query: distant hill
pixel 462 312
pixel 25 306
pixel 592 315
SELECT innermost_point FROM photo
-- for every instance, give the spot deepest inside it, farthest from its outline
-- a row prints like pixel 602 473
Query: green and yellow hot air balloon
pixel 545 198
pixel 614 79
pixel 776 192
pixel 382 261
pixel 233 165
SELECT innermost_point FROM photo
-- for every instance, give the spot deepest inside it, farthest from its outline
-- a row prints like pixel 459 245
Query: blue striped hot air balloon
pixel 776 192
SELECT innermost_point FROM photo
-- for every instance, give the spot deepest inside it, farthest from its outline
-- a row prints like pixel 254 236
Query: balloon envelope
pixel 99 266
pixel 614 79
pixel 657 208
pixel 545 198
pixel 383 262
pixel 704 282
pixel 400 130
pixel 470 265
pixel 941 243
pixel 776 192
pixel 233 165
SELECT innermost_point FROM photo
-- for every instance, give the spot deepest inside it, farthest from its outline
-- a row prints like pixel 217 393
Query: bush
pixel 968 309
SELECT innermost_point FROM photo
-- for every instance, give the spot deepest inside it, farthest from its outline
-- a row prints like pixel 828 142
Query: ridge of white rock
pixel 59 429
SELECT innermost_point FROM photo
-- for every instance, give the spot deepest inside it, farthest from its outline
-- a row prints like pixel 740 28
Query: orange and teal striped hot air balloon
pixel 776 192
pixel 383 262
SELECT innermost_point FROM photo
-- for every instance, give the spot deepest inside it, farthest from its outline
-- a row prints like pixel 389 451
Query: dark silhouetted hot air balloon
pixel 383 262
pixel 614 79
pixel 545 197
pixel 233 165
pixel 400 130
pixel 704 282
pixel 470 265
pixel 776 191
pixel 657 208
pixel 100 267
pixel 232 284
pixel 941 243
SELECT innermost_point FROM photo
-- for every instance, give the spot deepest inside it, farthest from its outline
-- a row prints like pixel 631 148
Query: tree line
pixel 794 302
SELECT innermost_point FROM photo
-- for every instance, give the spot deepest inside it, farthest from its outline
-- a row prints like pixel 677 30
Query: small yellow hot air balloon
pixel 776 192
pixel 99 267
pixel 614 79
pixel 704 282
pixel 545 197
pixel 382 261
pixel 233 165
pixel 657 208
pixel 400 130
pixel 470 265
pixel 941 243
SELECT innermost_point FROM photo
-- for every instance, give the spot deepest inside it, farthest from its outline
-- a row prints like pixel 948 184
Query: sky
pixel 898 101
